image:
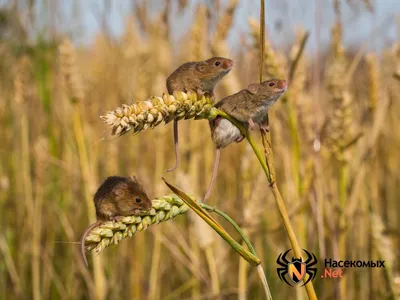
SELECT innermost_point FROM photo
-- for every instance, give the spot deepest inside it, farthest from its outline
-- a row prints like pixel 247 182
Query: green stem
pixel 296 146
pixel 260 269
pixel 249 139
pixel 250 257
pixel 293 119
pixel 233 223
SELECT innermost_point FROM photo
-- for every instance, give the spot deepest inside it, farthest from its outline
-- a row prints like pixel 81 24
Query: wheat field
pixel 334 138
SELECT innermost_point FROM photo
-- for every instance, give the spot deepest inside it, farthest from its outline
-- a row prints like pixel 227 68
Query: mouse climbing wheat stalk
pixel 249 106
pixel 200 77
pixel 117 197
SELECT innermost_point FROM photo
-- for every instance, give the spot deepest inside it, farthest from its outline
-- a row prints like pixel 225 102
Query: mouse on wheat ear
pixel 116 198
pixel 250 107
pixel 200 77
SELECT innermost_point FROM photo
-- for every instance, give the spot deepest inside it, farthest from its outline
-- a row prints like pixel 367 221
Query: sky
pixel 376 30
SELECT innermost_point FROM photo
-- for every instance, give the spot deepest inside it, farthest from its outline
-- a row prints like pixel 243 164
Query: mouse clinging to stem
pixel 254 103
pixel 250 107
pixel 200 77
pixel 117 197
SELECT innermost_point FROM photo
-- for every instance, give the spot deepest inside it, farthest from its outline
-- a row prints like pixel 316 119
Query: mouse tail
pixel 85 234
pixel 176 147
pixel 214 174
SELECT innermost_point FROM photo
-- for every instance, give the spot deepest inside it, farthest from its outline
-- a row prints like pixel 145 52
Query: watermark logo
pixel 335 268
pixel 296 270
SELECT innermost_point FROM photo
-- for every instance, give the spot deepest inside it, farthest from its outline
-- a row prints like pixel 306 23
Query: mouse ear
pixel 134 179
pixel 119 189
pixel 200 67
pixel 253 88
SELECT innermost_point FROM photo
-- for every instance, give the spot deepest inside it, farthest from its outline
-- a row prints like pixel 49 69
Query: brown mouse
pixel 251 105
pixel 117 197
pixel 248 106
pixel 201 77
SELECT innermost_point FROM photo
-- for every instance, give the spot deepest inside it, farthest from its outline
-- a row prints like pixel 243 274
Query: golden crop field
pixel 335 149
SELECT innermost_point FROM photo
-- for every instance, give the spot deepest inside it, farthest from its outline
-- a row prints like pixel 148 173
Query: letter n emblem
pixel 297 271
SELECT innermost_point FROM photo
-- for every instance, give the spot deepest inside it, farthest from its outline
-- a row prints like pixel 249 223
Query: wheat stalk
pixel 199 34
pixel 374 86
pixel 151 112
pixel 385 248
pixel 112 233
pixel 225 21
pixel 73 80
pixel 274 63
pixel 69 68
pixel 396 56
pixel 163 209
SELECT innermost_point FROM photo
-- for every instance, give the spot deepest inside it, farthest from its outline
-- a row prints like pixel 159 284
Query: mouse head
pixel 214 68
pixel 269 88
pixel 131 198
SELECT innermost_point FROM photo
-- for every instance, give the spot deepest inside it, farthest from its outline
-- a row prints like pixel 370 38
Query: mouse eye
pixel 217 63
pixel 138 200
pixel 271 84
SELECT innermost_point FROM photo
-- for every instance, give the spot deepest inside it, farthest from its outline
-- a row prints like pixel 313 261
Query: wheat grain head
pixel 111 233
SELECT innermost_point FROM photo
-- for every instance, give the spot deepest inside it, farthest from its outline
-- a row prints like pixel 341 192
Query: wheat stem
pixel 233 223
pixel 72 79
pixel 215 285
pixel 292 118
pixel 251 256
pixel 266 165
pixel 165 208
pixel 246 241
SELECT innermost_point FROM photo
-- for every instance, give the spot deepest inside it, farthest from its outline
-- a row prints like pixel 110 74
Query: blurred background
pixel 63 64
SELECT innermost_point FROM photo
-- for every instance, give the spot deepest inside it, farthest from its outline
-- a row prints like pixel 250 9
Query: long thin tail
pixel 176 147
pixel 90 228
pixel 214 173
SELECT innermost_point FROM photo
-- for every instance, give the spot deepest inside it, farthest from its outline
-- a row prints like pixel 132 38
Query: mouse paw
pixel 199 93
pixel 264 128
pixel 252 125
pixel 239 139
pixel 216 121
pixel 210 94
pixel 117 219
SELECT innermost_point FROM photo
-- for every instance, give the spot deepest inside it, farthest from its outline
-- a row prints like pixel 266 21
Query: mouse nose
pixel 229 63
pixel 282 84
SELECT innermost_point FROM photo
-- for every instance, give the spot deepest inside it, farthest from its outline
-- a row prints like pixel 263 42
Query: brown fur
pixel 253 103
pixel 115 198
pixel 247 106
pixel 199 77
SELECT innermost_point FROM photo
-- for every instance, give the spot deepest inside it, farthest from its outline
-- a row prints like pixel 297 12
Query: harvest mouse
pixel 117 197
pixel 248 106
pixel 200 77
